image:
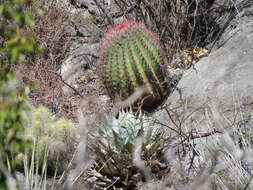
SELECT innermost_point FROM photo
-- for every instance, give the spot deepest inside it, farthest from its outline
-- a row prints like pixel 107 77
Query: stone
pixel 109 5
pixel 82 56
pixel 221 83
pixel 210 114
pixel 82 24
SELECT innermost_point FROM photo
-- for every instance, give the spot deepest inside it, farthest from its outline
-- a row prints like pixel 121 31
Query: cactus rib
pixel 131 56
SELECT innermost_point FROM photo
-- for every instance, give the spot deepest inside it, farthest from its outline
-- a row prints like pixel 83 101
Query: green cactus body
pixel 131 57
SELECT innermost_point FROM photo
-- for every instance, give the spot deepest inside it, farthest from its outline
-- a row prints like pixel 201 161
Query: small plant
pixel 116 145
pixel 51 137
pixel 131 57
pixel 32 164
pixel 17 45
pixel 13 107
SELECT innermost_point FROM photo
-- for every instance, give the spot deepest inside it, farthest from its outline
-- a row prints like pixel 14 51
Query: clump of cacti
pixel 132 57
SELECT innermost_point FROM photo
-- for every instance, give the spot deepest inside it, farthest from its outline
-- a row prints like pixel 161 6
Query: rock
pixel 221 82
pixel 212 108
pixel 80 59
pixel 109 5
pixel 89 4
pixel 82 24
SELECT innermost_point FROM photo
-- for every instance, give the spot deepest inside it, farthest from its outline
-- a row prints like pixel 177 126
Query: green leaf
pixel 117 141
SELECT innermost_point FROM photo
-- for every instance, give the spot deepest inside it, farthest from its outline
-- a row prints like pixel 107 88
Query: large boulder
pixel 220 83
pixel 209 116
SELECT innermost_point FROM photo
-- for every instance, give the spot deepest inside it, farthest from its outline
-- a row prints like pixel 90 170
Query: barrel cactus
pixel 132 57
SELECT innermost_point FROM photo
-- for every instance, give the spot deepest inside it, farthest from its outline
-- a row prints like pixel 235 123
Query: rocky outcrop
pixel 220 83
pixel 209 117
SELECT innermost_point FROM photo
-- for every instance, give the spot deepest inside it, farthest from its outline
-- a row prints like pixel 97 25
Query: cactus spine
pixel 131 56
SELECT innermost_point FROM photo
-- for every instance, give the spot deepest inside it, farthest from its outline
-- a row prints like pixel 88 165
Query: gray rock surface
pixel 109 5
pixel 82 24
pixel 80 59
pixel 223 81
pixel 213 109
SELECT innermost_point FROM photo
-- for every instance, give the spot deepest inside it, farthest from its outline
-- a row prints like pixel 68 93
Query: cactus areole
pixel 132 57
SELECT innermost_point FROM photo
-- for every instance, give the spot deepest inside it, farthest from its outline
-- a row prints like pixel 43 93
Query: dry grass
pixel 49 31
pixel 180 24
pixel 218 158
pixel 213 159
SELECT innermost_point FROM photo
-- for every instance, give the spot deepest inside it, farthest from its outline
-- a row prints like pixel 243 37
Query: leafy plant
pixel 52 137
pixel 13 108
pixel 131 56
pixel 16 46
pixel 17 42
pixel 116 145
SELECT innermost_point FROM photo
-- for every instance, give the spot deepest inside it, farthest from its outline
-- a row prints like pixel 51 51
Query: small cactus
pixel 131 57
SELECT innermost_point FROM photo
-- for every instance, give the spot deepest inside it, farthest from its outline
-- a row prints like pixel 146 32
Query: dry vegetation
pixel 183 26
pixel 50 32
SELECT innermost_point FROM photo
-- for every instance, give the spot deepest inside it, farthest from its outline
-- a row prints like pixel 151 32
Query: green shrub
pixel 13 108
pixel 17 45
pixel 52 137
pixel 17 42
